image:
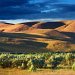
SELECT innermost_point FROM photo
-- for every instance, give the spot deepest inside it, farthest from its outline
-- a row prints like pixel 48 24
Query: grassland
pixel 43 64
pixel 45 51
pixel 31 43
pixel 20 42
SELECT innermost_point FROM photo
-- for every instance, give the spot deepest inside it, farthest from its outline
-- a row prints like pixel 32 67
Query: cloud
pixel 66 7
pixel 26 20
pixel 42 1
pixel 36 9
pixel 51 10
pixel 6 3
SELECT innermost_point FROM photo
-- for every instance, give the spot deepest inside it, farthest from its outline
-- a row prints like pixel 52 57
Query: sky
pixel 33 10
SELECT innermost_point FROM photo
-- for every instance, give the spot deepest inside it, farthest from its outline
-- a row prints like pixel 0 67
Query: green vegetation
pixel 73 66
pixel 33 62
pixel 40 58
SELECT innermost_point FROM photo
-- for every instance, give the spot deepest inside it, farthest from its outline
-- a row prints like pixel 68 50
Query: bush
pixel 5 63
pixel 73 66
pixel 32 68
pixel 41 63
pixel 32 65
pixel 68 58
pixel 55 61
pixel 18 63
pixel 35 61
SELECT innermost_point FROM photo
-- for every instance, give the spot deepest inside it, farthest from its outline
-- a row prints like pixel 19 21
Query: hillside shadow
pixel 19 35
pixel 27 47
pixel 32 37
pixel 30 23
pixel 29 37
pixel 70 34
pixel 46 25
pixel 51 25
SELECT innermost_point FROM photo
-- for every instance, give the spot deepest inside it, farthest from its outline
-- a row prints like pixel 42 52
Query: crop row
pixel 32 62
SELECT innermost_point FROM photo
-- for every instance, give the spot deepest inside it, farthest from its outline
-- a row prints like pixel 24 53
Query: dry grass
pixel 13 28
pixel 47 32
pixel 62 46
pixel 42 72
pixel 16 28
pixel 51 37
pixel 68 27
pixel 38 31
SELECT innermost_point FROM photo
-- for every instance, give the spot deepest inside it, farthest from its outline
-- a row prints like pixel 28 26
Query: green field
pixel 37 64
pixel 33 62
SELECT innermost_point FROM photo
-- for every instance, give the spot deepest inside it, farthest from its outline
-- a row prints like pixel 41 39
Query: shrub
pixel 73 66
pixel 5 63
pixel 55 61
pixel 41 63
pixel 18 63
pixel 32 65
pixel 68 58
pixel 32 68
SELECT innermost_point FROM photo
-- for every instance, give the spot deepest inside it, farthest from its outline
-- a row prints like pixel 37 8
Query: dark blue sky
pixel 37 9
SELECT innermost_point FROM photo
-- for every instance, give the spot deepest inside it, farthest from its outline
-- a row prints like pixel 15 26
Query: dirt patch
pixel 42 72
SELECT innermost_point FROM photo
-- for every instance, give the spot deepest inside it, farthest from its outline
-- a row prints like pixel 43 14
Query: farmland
pixel 52 63
pixel 36 50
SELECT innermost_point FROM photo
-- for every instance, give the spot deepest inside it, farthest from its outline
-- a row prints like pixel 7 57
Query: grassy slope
pixel 19 42
pixel 28 43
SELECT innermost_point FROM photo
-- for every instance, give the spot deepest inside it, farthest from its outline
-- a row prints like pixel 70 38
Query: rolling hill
pixel 34 37
pixel 5 27
pixel 47 25
pixel 68 27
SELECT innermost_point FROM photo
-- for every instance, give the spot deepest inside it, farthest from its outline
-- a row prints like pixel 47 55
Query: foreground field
pixel 42 72
pixel 34 62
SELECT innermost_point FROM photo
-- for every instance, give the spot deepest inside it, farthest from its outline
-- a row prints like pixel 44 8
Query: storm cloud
pixel 37 9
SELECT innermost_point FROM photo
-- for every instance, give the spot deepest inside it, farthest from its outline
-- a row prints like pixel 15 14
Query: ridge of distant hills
pixel 51 33
pixel 67 26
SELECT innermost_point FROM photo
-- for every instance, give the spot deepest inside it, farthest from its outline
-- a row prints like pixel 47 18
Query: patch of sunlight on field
pixel 40 72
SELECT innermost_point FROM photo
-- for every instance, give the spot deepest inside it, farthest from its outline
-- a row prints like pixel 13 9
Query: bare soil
pixel 40 72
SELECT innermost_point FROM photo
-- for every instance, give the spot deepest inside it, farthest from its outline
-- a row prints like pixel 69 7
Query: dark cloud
pixel 33 9
pixel 66 7
pixel 5 3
